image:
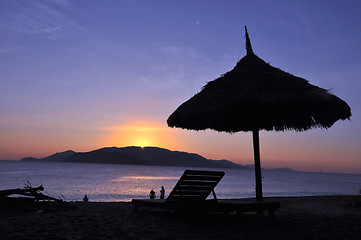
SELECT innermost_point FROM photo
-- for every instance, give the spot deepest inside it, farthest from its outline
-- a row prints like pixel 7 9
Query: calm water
pixel 108 182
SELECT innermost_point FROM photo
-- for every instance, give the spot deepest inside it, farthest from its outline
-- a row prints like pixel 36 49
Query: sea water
pixel 112 182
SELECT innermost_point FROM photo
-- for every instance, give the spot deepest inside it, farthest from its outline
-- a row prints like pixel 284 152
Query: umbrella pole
pixel 257 166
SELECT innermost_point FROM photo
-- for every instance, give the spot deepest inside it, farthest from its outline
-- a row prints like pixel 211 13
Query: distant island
pixel 139 156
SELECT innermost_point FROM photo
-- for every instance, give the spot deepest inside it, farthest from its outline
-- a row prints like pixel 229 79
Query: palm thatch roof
pixel 256 96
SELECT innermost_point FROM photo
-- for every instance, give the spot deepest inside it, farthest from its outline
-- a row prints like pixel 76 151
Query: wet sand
pixel 323 217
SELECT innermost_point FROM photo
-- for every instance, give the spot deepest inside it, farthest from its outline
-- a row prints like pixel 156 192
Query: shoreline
pixel 313 217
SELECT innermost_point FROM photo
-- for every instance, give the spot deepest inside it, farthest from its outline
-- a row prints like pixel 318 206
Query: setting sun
pixel 142 134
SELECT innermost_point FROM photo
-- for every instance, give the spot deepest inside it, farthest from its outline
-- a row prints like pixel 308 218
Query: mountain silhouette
pixel 138 156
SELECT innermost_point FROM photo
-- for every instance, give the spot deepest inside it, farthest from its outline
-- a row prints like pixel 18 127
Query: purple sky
pixel 87 74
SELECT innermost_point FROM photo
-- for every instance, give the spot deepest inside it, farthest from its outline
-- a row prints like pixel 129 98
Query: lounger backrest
pixel 195 185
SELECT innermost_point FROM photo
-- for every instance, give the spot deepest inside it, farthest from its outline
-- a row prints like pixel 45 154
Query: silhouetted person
pixel 162 192
pixel 85 199
pixel 152 194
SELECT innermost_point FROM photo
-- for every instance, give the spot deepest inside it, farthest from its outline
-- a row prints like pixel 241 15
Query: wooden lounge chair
pixel 193 188
pixel 190 192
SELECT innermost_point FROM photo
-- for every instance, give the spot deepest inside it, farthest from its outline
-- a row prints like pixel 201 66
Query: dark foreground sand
pixel 324 217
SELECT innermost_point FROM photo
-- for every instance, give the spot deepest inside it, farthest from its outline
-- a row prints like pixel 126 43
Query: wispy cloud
pixel 44 20
pixel 9 49
pixel 47 30
pixel 50 33
pixel 63 3
pixel 174 67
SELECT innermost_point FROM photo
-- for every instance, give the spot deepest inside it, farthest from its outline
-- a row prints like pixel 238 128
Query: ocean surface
pixel 110 182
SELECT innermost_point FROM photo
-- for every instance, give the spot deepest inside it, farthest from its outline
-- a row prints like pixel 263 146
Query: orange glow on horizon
pixel 142 134
pixel 296 151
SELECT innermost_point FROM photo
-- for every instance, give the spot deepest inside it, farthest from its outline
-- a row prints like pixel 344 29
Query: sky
pixel 88 74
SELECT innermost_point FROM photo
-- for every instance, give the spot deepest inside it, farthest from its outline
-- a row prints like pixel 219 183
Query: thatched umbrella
pixel 255 96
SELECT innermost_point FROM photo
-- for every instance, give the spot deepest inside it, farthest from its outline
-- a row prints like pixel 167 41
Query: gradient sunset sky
pixel 86 74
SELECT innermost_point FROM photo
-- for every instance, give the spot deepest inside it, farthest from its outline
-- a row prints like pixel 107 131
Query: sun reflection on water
pixel 148 178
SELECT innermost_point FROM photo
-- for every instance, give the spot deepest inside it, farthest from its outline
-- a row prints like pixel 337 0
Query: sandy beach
pixel 323 217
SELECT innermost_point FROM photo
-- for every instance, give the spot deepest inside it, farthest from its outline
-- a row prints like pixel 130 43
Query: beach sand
pixel 323 217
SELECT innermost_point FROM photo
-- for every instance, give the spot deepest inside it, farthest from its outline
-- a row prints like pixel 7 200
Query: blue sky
pixel 88 74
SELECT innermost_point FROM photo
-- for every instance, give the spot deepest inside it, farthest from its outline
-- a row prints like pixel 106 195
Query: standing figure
pixel 152 194
pixel 162 192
